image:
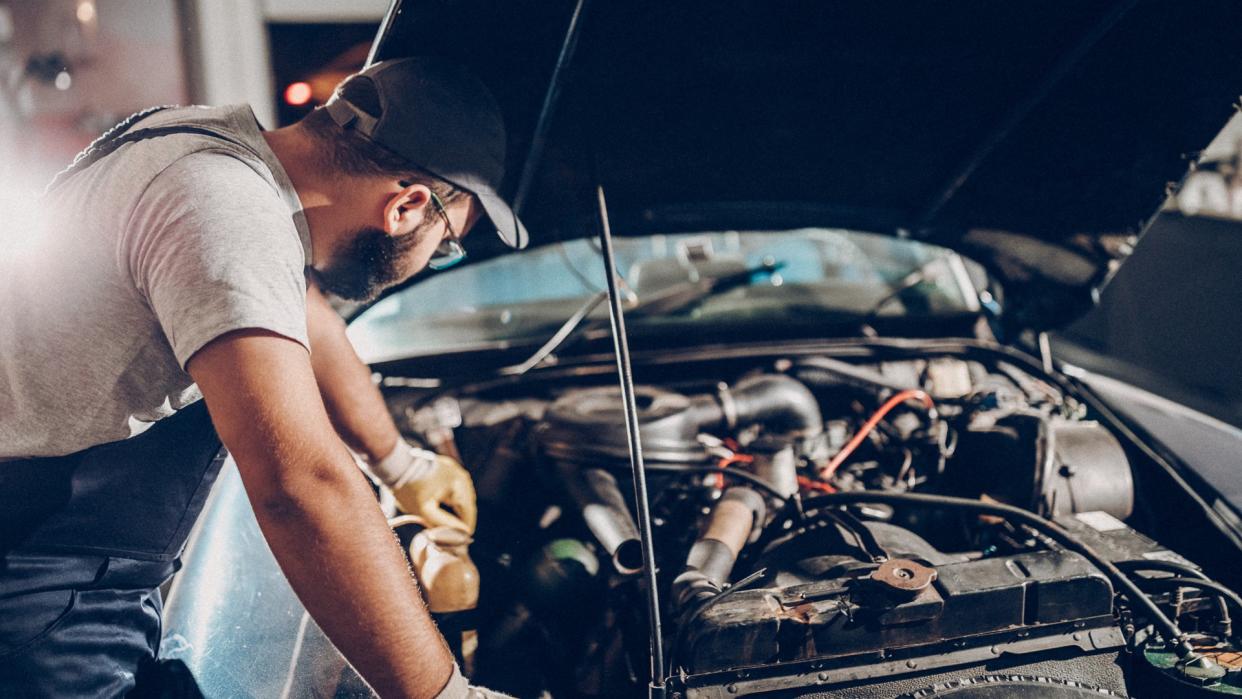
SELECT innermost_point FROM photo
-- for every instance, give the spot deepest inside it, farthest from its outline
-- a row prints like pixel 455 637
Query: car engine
pixel 823 527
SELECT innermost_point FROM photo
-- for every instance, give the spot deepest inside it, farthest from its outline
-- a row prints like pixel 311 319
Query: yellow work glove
pixel 424 483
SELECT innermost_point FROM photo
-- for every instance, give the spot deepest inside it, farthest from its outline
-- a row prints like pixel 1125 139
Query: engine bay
pixel 926 524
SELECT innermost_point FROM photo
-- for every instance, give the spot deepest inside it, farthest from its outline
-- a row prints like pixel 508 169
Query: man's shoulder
pixel 215 183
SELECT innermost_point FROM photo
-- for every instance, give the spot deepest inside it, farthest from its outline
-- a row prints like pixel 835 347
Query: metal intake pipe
pixel 603 508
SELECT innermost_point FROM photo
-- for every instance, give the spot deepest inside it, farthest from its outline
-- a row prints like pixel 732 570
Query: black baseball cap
pixel 440 117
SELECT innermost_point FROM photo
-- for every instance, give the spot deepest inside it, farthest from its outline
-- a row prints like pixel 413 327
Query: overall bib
pixel 87 539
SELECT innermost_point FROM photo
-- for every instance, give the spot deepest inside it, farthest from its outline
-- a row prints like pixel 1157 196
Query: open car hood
pixel 1037 138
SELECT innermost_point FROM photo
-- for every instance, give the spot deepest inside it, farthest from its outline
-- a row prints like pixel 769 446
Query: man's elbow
pixel 298 494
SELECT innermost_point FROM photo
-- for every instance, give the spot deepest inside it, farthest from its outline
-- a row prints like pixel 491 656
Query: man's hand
pixel 317 512
pixel 424 483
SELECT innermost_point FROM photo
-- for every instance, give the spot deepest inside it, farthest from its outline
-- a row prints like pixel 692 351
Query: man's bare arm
pixel 358 412
pixel 317 512
pixel 354 403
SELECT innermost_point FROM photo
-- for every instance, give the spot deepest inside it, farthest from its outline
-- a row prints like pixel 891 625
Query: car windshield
pixel 800 276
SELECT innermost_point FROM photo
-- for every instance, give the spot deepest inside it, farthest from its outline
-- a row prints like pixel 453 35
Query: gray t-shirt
pixel 146 256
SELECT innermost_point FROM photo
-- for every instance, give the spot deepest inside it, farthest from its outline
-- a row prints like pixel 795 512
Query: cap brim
pixel 508 227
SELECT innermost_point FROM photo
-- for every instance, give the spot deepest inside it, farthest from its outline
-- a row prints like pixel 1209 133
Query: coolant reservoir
pixel 450 581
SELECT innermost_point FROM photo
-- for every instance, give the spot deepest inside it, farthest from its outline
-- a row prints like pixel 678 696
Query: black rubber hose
pixel 1167 627
pixel 728 472
pixel 1167 566
pixel 1222 601
pixel 827 370
pixel 1205 585
pixel 711 558
pixel 1223 595
pixel 781 403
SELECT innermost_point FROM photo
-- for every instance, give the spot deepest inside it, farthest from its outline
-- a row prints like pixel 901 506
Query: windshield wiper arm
pixel 913 278
pixel 559 337
pixel 675 298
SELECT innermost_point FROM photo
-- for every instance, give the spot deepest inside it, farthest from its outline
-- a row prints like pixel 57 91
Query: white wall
pixel 324 10
pixel 227 40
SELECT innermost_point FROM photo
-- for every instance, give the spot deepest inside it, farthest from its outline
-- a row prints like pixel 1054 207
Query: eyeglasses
pixel 450 250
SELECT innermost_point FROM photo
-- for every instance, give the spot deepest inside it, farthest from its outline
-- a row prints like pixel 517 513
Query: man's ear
pixel 406 209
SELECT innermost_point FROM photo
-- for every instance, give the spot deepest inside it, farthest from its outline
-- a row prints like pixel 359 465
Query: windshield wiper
pixel 559 337
pixel 678 297
pixel 913 278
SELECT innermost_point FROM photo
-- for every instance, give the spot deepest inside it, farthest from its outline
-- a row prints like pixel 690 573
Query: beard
pixel 368 264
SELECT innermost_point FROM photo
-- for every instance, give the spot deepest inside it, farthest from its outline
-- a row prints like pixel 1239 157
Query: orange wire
pixel 815 485
pixel 729 461
pixel 899 398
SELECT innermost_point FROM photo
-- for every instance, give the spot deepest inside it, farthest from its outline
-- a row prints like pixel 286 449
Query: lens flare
pixel 19 221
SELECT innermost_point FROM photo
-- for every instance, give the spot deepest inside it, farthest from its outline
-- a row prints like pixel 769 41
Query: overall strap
pixel 119 135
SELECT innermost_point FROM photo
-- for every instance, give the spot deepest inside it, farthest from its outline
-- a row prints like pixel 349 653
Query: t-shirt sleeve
pixel 213 249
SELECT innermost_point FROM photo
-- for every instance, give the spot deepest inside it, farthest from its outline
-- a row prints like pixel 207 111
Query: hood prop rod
pixel 616 314
pixel 550 98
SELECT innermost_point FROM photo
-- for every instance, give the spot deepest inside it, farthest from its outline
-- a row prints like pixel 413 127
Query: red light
pixel 298 94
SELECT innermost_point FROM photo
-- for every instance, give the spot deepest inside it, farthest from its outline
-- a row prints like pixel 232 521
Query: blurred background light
pixel 86 11
pixel 298 94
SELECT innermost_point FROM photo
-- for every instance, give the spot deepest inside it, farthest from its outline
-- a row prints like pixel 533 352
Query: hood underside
pixel 1034 137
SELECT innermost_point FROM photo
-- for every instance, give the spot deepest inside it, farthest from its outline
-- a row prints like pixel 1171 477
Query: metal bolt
pixel 1179 599
pixel 995 650
pixel 822 677
pixel 911 664
pixel 731 689
pixel 1077 636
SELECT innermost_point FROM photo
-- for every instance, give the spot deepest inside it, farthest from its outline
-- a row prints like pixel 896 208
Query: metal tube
pixel 390 20
pixel 540 136
pixel 602 506
pixel 617 317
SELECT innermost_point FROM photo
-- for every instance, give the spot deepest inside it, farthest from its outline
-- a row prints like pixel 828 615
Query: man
pixel 175 263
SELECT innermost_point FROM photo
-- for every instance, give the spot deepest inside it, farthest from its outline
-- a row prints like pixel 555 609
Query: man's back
pixel 145 256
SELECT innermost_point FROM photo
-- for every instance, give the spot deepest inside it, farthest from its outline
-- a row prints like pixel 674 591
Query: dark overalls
pixel 87 539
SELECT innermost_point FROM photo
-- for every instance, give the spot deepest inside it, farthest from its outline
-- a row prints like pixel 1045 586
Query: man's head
pixel 413 151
